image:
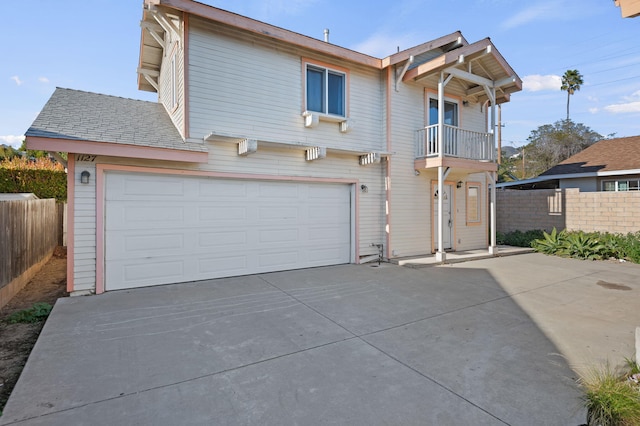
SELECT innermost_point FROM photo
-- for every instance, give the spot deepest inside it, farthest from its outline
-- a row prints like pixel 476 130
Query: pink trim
pixel 387 182
pixel 158 170
pixel 100 207
pixel 185 78
pixel 116 150
pixel 71 187
pixel 268 31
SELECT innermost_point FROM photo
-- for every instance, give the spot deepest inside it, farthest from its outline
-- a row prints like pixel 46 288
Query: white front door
pixel 447 214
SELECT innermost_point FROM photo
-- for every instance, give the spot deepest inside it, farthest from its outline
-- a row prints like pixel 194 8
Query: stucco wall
pixel 614 212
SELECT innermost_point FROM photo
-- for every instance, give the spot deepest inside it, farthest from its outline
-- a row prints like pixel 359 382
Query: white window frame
pixel 326 71
pixel 617 184
pixel 447 100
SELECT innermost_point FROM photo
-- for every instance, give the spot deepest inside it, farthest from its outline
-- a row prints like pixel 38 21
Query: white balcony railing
pixel 456 143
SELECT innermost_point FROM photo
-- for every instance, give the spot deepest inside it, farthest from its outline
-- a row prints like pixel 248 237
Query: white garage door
pixel 162 229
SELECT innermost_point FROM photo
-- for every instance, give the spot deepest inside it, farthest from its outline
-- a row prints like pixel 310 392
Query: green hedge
pixel 43 183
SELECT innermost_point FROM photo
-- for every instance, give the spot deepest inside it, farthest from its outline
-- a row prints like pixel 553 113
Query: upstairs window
pixel 450 112
pixel 326 90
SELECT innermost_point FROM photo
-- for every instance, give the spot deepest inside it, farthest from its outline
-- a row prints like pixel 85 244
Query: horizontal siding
pixel 269 160
pixel 410 196
pixel 242 86
pixel 84 237
pixel 476 236
pixel 411 207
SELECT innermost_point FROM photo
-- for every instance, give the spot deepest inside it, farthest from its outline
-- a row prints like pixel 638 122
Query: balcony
pixel 457 143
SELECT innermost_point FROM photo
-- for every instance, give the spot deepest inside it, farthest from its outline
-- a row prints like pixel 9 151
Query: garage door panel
pixel 219 228
pixel 280 190
pixel 216 190
pixel 221 266
pixel 227 238
pixel 222 213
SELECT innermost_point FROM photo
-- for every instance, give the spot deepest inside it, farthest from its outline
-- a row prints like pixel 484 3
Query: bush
pixel 38 312
pixel 590 245
pixel 42 176
pixel 518 238
pixel 610 398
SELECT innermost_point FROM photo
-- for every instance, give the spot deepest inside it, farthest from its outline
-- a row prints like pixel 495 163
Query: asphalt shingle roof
pixel 78 115
pixel 606 155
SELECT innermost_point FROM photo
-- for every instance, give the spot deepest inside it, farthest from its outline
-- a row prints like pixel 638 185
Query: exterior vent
pixel 346 126
pixel 370 158
pixel 315 153
pixel 247 146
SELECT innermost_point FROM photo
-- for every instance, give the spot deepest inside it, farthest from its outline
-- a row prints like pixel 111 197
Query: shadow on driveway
pixel 350 344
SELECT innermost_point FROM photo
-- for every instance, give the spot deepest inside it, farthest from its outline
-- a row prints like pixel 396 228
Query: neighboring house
pixel 628 8
pixel 269 150
pixel 607 165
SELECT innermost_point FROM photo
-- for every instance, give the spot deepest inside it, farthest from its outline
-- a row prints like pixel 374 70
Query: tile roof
pixel 604 156
pixel 85 116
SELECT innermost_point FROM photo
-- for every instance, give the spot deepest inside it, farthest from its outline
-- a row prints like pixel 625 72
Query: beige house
pixel 610 165
pixel 269 150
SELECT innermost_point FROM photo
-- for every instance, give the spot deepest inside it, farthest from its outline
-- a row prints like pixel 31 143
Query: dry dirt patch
pixel 49 284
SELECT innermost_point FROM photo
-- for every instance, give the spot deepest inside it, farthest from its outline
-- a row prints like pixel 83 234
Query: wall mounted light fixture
pixel 84 176
pixel 459 184
pixel 364 189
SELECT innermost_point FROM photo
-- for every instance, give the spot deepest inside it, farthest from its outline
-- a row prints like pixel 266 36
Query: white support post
pixel 440 254
pixel 492 178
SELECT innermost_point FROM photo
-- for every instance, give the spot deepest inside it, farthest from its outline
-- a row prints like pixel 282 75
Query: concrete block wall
pixel 526 210
pixel 614 212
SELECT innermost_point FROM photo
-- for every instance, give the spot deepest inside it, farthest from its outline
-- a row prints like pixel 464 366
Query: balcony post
pixel 440 254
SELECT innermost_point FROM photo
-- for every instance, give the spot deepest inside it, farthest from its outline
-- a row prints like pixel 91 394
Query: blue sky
pixel 93 45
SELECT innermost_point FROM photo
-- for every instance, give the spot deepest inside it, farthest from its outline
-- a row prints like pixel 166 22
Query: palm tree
pixel 571 82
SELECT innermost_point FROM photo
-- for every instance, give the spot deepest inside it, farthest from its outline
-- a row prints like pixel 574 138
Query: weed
pixel 38 312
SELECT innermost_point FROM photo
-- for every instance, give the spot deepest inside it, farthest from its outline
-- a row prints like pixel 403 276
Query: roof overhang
pixel 477 67
pixel 608 173
pixel 115 149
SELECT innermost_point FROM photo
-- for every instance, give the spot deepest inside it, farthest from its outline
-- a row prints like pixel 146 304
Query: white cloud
pixel 44 80
pixel 530 14
pixel 12 140
pixel 631 104
pixel 537 82
pixel 623 108
pixel 17 80
pixel 381 45
pixel 593 110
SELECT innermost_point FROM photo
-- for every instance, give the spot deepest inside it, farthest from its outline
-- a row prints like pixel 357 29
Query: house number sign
pixel 85 157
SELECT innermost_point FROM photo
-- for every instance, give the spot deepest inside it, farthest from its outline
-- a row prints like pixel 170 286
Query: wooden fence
pixel 29 232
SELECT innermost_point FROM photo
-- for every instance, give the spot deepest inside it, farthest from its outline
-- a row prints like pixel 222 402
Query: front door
pixel 447 214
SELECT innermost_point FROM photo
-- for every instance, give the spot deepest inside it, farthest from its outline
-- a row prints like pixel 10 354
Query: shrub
pixel 519 238
pixel 42 176
pixel 552 243
pixel 592 245
pixel 611 399
pixel 38 312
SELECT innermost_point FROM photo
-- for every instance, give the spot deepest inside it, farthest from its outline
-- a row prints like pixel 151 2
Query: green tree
pixel 552 143
pixel 31 153
pixel 571 82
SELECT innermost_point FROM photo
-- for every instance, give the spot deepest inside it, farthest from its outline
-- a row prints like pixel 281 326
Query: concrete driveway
pixel 487 342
